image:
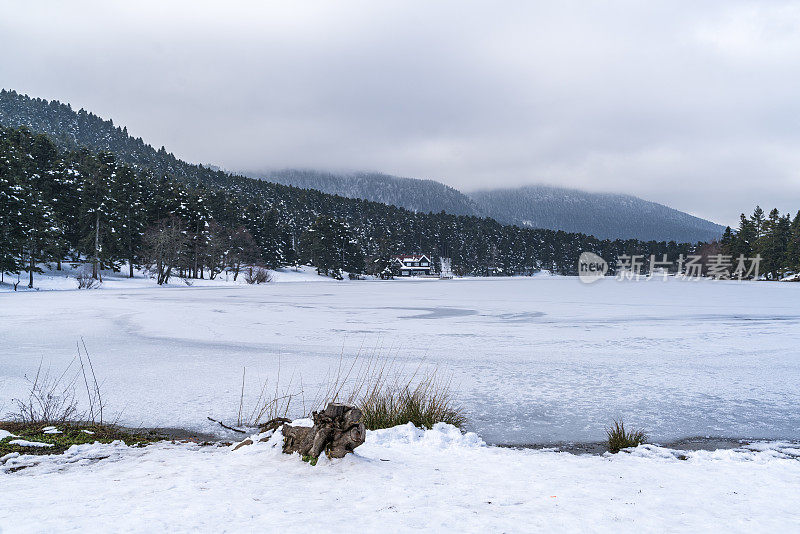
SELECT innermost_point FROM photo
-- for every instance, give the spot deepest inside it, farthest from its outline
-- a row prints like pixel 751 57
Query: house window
pixel 423 263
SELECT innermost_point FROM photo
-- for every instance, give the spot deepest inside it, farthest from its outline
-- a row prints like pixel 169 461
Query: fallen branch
pixel 223 425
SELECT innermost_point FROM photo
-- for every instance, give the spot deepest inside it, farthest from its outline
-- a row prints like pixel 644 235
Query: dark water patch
pixel 685 444
pixel 434 313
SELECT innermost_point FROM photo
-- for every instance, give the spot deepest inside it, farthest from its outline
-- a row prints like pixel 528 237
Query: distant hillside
pixel 278 216
pixel 604 215
pixel 413 194
pixel 607 216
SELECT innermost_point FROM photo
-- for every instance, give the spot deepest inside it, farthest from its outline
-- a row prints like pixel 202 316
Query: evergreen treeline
pixel 77 204
pixel 606 216
pixel 774 237
pixel 108 199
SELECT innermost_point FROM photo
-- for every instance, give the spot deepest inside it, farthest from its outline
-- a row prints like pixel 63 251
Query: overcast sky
pixel 692 104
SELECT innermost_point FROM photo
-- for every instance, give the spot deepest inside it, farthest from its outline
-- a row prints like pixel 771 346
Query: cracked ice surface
pixel 534 360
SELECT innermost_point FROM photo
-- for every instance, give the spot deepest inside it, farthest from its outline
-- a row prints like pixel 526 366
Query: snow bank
pixel 64 280
pixel 442 436
pixel 401 479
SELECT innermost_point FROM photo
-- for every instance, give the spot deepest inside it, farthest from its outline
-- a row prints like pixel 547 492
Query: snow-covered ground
pixel 403 479
pixel 534 360
pixel 66 278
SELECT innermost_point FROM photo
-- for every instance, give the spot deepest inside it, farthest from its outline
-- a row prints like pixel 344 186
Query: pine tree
pixel 128 214
pixel 773 243
pixel 744 244
pixel 793 248
pixel 758 222
pixel 728 242
pixel 66 197
pixel 42 235
pixel 11 204
pixel 98 211
pixel 331 247
pixel 197 218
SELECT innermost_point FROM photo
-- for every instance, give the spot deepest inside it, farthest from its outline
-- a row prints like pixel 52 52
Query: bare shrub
pixel 273 401
pixel 86 280
pixel 93 396
pixel 52 398
pixel 619 438
pixel 257 275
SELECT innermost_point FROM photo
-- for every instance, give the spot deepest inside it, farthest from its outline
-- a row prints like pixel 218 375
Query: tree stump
pixel 337 431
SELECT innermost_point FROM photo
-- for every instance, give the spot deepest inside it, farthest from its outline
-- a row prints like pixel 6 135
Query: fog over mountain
pixel 603 215
pixel 690 104
pixel 410 193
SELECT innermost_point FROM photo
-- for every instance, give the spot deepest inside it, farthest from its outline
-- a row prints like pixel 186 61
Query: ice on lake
pixel 534 360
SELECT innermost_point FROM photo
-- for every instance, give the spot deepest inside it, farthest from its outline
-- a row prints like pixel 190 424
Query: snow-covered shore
pixel 539 360
pixel 52 279
pixel 403 479
pixel 530 358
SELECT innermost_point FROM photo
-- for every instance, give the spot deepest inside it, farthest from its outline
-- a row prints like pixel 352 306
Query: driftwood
pixel 223 425
pixel 337 431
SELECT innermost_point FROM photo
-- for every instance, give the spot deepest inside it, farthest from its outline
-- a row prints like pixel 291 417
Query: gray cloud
pixel 690 104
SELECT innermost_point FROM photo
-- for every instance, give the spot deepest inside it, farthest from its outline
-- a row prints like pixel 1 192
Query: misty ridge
pixel 603 215
pixel 288 224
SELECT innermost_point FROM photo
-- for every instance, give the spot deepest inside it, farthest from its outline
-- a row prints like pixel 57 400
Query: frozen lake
pixel 534 360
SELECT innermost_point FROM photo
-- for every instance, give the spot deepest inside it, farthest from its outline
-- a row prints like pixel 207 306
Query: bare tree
pixel 243 251
pixel 217 248
pixel 165 244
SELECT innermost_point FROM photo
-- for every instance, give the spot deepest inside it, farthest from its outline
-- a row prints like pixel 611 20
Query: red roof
pixel 412 257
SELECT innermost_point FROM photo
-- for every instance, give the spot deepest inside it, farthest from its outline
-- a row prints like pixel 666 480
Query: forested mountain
pixel 87 189
pixel 410 193
pixel 604 215
pixel 607 216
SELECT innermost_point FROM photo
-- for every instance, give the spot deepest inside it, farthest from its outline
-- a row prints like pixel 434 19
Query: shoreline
pixel 685 444
pixel 594 448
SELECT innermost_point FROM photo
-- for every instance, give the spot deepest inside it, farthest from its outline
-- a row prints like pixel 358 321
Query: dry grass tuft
pixel 619 438
pixel 424 404
pixel 386 393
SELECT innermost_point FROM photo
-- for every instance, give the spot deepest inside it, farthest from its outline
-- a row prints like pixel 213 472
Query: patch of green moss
pixel 71 434
pixel 310 459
